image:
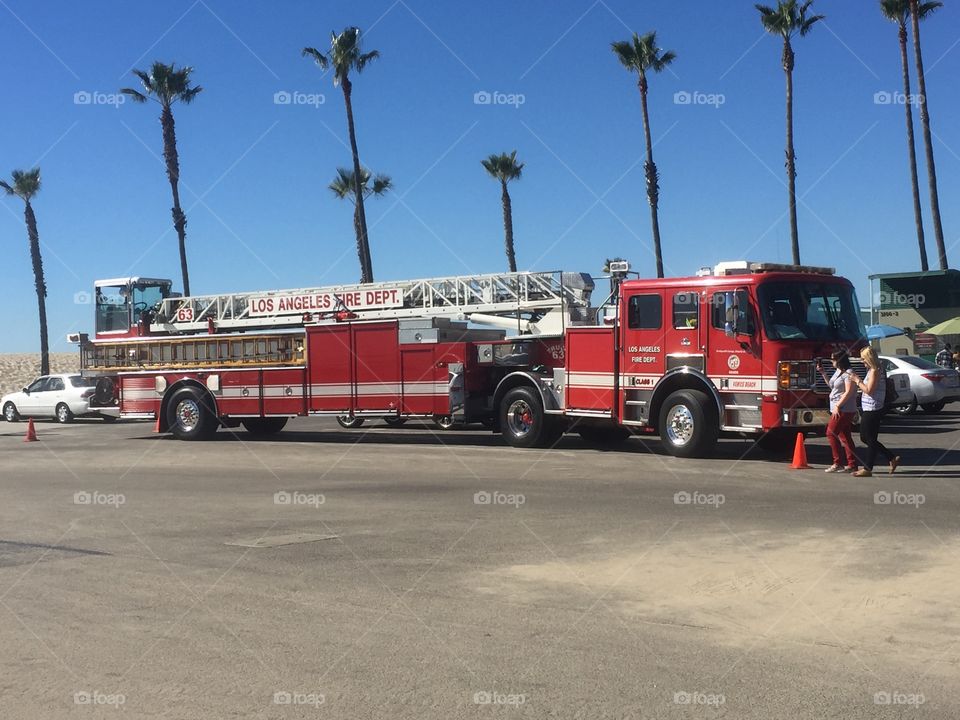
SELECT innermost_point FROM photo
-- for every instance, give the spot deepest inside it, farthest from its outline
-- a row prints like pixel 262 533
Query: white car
pixel 931 386
pixel 61 397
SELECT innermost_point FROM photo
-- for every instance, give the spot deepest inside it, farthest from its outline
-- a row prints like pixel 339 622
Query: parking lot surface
pixel 416 573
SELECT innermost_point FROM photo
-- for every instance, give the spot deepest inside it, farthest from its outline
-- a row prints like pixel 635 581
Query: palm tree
pixel 25 185
pixel 504 167
pixel 344 186
pixel 166 85
pixel 345 55
pixel 916 13
pixel 898 11
pixel 787 20
pixel 639 55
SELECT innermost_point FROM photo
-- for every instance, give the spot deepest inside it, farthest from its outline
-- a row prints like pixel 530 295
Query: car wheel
pixel 444 422
pixel 108 418
pixel 395 421
pixel 63 413
pixel 189 415
pixel 688 426
pixel 10 413
pixel 264 426
pixel 908 409
pixel 933 408
pixel 350 423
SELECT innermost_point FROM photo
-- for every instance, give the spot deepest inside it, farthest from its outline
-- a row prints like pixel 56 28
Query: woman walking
pixel 874 389
pixel 843 409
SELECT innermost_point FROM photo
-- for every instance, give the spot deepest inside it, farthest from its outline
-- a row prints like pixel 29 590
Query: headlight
pixel 795 375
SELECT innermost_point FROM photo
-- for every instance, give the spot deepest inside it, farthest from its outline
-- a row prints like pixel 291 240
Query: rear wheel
pixel 524 423
pixel 349 422
pixel 264 426
pixel 63 413
pixel 190 415
pixel 444 422
pixel 688 426
pixel 908 409
pixel 10 413
pixel 933 408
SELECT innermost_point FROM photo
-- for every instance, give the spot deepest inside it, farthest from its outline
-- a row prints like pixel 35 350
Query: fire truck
pixel 730 351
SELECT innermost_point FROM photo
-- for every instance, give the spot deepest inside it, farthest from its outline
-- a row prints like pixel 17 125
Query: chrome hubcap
pixel 188 415
pixel 62 413
pixel 520 418
pixel 680 425
pixel 9 413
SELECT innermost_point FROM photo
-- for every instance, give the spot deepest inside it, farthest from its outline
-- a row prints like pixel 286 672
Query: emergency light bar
pixel 745 267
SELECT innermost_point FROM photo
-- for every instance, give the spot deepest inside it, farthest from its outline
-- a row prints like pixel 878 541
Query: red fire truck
pixel 729 351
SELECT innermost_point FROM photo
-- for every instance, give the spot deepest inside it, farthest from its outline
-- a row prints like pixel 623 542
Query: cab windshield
pixel 810 311
pixel 120 305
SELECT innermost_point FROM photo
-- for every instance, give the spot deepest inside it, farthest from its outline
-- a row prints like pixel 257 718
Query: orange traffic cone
pixel 156 425
pixel 799 455
pixel 31 435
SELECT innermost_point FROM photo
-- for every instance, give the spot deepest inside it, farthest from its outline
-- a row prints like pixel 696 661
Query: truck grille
pixel 856 364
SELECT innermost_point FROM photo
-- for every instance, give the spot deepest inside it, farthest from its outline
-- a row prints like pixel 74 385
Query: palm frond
pixel 927 8
pixel 318 56
pixel 135 95
pixel 6 187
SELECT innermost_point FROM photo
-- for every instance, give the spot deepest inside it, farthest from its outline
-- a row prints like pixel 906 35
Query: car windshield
pixel 920 363
pixel 78 381
pixel 810 311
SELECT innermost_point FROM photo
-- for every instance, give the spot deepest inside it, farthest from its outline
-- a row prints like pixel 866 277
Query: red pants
pixel 838 431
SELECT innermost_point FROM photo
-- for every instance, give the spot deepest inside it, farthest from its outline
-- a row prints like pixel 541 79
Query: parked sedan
pixel 61 397
pixel 931 386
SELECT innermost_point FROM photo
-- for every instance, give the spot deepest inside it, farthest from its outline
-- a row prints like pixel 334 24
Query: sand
pixel 19 369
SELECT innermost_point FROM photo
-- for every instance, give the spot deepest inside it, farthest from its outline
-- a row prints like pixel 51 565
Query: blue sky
pixel 255 172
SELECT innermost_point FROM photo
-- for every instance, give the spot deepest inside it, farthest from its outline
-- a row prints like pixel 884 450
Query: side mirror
pixel 26 391
pixel 730 312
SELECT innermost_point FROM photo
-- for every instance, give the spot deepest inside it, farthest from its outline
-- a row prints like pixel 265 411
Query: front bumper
pixel 805 417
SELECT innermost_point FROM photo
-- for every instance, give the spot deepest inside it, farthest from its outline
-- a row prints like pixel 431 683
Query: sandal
pixel 894 464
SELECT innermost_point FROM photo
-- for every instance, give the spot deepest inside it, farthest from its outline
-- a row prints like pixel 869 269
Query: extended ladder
pixel 536 302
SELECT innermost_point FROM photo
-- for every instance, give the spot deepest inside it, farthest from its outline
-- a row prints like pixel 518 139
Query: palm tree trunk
pixel 927 141
pixel 788 62
pixel 653 184
pixel 361 256
pixel 40 284
pixel 912 147
pixel 173 174
pixel 366 266
pixel 508 227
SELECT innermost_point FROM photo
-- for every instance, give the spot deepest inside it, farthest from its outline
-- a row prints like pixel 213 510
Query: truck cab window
pixel 113 314
pixel 744 315
pixel 645 312
pixel 686 308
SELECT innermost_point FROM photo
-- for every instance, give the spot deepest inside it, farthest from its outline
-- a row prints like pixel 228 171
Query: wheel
pixel 523 421
pixel 63 414
pixel 394 421
pixel 348 422
pixel 608 436
pixel 933 408
pixel 444 422
pixel 777 443
pixel 264 426
pixel 190 415
pixel 108 418
pixel 907 409
pixel 10 413
pixel 688 426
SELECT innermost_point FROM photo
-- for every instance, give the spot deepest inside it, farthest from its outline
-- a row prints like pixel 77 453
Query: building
pixel 915 301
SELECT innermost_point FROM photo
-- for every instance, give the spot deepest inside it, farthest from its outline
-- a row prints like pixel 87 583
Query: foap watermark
pixel 295 97
pixel 491 697
pixel 82 298
pixel 895 697
pixel 499 498
pixel 95 97
pixel 698 698
pixel 94 497
pixel 897 299
pixel 882 97
pixel 283 497
pixel 685 97
pixel 699 498
pixel 483 97
pixel 95 697
pixel 284 697
pixel 893 497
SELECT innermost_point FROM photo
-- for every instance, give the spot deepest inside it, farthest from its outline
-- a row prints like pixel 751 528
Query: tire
pixel 907 409
pixel 688 426
pixel 779 443
pixel 444 422
pixel 609 436
pixel 190 415
pixel 109 418
pixel 523 422
pixel 395 421
pixel 63 414
pixel 264 426
pixel 348 422
pixel 933 408
pixel 10 413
